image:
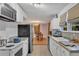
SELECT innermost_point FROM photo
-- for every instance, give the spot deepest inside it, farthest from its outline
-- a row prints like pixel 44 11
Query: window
pixel 75 27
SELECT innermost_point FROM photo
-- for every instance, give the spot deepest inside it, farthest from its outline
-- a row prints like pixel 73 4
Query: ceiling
pixel 42 13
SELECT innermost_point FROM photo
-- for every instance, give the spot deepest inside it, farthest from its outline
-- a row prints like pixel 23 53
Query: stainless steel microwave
pixel 7 13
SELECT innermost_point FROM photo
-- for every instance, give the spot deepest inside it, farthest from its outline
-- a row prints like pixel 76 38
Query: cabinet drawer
pixel 73 12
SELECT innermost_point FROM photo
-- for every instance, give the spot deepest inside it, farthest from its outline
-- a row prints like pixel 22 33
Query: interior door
pixel 37 28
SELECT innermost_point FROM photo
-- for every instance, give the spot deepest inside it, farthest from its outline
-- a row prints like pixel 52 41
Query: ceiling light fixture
pixel 36 5
pixel 35 21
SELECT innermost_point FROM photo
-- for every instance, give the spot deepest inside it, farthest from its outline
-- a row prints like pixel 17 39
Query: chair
pixel 39 36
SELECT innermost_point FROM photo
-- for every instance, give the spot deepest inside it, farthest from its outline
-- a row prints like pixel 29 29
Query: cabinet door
pixel 50 45
pixel 53 47
pixel 16 49
pixel 57 50
pixel 25 48
pixel 64 52
pixel 58 53
pixel 73 12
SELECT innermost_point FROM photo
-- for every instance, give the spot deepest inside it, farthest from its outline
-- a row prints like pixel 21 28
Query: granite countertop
pixel 61 39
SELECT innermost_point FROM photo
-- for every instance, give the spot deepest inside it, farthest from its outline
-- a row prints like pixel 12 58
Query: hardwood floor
pixel 40 42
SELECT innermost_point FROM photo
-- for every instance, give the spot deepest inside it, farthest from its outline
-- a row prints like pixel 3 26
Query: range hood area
pixel 7 13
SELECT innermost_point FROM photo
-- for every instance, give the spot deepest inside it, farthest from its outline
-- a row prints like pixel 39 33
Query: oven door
pixel 19 53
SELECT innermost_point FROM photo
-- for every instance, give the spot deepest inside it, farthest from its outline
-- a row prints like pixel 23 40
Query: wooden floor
pixel 40 42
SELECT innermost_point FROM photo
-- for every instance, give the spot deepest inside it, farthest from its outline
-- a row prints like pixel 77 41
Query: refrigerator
pixel 25 30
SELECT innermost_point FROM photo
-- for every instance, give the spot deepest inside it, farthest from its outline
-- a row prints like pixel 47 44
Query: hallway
pixel 40 50
pixel 40 42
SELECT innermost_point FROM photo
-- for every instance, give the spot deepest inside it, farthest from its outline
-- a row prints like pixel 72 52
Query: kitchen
pixel 10 43
pixel 16 30
pixel 65 35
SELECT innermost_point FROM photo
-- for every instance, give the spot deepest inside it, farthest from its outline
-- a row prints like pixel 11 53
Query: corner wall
pixel 44 30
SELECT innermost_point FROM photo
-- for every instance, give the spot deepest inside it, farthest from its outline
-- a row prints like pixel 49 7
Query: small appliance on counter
pixel 56 33
pixel 17 40
pixel 3 42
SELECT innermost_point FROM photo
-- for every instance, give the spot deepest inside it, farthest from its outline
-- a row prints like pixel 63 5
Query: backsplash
pixel 7 29
pixel 70 35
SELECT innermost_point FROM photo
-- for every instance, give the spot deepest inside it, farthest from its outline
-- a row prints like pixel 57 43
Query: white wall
pixel 44 30
pixel 8 29
pixel 2 29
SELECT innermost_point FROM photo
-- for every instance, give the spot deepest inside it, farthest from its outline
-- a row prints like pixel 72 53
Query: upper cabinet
pixel 7 13
pixel 62 19
pixel 20 13
pixel 73 13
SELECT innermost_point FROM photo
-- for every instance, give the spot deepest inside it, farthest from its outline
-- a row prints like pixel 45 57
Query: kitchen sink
pixel 67 43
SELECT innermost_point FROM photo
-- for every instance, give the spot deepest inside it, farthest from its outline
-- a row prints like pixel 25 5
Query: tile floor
pixel 40 42
pixel 40 50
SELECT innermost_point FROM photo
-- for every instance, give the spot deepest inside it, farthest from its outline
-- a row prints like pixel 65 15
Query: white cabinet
pixel 51 45
pixel 56 49
pixel 15 50
pixel 20 12
pixel 25 46
pixel 73 13
pixel 10 51
pixel 63 51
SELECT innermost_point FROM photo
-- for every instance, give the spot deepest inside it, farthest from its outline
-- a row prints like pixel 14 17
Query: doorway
pixel 39 34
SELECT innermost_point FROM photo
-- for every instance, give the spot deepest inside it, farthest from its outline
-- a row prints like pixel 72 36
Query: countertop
pixel 60 39
pixel 10 48
pixel 15 45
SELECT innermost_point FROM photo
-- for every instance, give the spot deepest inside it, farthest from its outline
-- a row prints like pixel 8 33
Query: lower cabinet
pixel 56 49
pixel 21 49
pixel 16 51
pixel 63 51
pixel 25 47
